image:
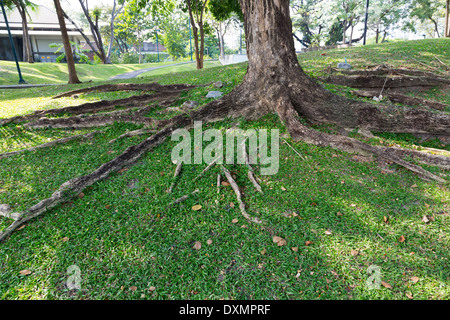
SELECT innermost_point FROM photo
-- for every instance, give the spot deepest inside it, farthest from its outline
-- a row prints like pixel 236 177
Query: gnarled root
pixel 299 132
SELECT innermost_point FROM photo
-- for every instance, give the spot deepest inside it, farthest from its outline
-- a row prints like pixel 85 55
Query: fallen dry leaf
pixel 196 207
pixel 232 204
pixel 327 232
pixel 122 170
pixel 276 239
pixel 25 272
pixel 263 251
pixel 386 285
pixel 339 214
pixel 401 239
pixel 294 214
pixel 354 252
pixel 209 241
pixel 414 279
pixel 408 295
pixel 80 195
pixel 295 249
pixel 234 221
pixel 133 288
pixel 307 243
pixel 22 227
pixel 425 219
pixel 385 219
pixel 65 239
pixel 283 188
pixel 225 183
pixel 279 241
pixel 197 245
pixel 152 288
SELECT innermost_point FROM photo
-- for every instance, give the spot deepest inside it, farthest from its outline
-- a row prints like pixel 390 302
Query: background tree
pixel 383 14
pixel 73 78
pixel 425 10
pixel 22 7
pixel 196 10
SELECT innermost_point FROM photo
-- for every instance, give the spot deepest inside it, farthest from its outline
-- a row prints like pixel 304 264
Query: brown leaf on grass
pixel 234 221
pixel 425 219
pixel 307 243
pixel 25 272
pixel 133 288
pixel 339 214
pixel 295 249
pixel 386 285
pixel 294 214
pixel 122 170
pixel 152 288
pixel 401 239
pixel 232 204
pixel 225 183
pixel 80 195
pixel 197 245
pixel 328 232
pixel 65 239
pixel 196 207
pixel 385 219
pixel 354 252
pixel 22 227
pixel 408 295
pixel 283 188
pixel 414 279
pixel 279 241
pixel 209 241
pixel 263 251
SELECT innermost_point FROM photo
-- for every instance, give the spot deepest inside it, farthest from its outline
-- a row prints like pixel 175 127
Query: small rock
pixel 218 84
pixel 190 104
pixel 214 94
pixel 345 66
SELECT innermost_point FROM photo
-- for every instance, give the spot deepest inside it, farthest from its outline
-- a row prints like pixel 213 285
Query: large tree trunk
pixel 73 78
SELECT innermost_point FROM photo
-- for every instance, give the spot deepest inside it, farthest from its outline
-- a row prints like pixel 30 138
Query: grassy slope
pixel 122 234
pixel 38 73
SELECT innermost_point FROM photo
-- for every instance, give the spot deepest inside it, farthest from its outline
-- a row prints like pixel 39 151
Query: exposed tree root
pixel 383 70
pixel 404 99
pixel 49 144
pixel 240 103
pixel 239 197
pixel 83 121
pixel 128 87
pixel 394 82
pixel 250 173
pixel 74 186
pixel 139 101
pixel 134 133
pixel 183 198
pixel 175 176
pixel 299 132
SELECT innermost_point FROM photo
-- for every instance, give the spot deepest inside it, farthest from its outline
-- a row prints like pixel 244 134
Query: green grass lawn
pixel 341 213
pixel 180 68
pixel 44 73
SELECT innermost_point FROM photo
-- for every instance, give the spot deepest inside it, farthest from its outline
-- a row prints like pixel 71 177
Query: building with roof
pixel 44 30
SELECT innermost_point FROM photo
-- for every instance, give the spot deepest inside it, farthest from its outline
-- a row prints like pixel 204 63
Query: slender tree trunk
pixel 350 42
pixel 436 28
pixel 28 54
pixel 73 78
pixel 447 20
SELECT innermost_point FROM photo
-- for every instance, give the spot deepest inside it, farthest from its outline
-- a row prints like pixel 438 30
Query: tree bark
pixel 73 78
pixel 447 19
pixel 28 54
